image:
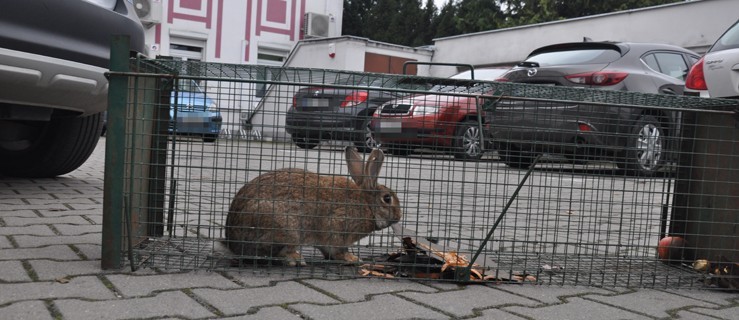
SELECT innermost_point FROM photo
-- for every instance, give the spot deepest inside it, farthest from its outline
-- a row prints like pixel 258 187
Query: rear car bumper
pixel 36 80
pixel 198 123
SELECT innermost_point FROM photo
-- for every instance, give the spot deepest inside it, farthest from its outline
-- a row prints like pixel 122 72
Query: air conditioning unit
pixel 148 11
pixel 316 25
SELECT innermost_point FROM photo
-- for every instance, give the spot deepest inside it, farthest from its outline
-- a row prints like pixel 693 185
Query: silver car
pixel 53 90
pixel 717 73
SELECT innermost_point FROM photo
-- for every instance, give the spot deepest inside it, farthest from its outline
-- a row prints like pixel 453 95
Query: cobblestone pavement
pixel 50 233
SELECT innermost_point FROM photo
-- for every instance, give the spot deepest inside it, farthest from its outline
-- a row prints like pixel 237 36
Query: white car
pixel 716 75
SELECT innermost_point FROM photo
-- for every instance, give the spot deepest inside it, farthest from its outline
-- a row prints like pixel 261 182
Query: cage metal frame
pixel 143 198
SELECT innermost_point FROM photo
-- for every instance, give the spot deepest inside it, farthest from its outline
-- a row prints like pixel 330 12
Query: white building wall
pixel 349 53
pixel 692 24
pixel 232 31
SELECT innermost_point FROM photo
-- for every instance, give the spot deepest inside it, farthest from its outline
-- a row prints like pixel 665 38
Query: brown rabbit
pixel 279 211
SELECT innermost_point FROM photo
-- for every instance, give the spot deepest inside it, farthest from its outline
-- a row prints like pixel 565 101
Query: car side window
pixel 671 64
pixel 651 61
pixel 729 40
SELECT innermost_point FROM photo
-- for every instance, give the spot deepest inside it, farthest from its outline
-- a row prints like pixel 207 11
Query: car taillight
pixel 696 80
pixel 600 78
pixel 354 99
pixel 584 127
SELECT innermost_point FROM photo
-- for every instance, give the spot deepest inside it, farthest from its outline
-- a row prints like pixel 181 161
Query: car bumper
pixel 422 131
pixel 42 81
pixel 54 55
pixel 197 123
pixel 317 124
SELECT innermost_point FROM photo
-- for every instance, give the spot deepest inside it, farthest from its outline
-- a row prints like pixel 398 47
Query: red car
pixel 448 120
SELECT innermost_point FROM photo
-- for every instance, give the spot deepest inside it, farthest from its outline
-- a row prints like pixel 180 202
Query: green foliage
pixel 478 15
pixel 413 23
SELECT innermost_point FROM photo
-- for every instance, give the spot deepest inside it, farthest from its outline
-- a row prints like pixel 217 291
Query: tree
pixel 406 22
pixel 427 27
pixel 478 15
pixel 445 24
pixel 523 12
pixel 355 16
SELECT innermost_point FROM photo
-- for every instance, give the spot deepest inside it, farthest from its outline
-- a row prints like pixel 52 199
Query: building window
pixel 267 56
pixel 272 57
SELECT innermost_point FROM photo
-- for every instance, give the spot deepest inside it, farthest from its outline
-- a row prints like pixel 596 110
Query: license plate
pixel 390 125
pixel 315 103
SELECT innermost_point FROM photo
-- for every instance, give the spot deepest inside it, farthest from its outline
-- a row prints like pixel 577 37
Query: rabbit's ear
pixel 372 168
pixel 355 164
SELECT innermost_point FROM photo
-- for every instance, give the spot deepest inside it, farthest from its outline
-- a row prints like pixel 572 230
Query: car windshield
pixel 730 39
pixel 450 88
pixel 580 56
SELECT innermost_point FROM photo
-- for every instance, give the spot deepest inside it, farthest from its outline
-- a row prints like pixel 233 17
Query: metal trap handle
pixel 464 272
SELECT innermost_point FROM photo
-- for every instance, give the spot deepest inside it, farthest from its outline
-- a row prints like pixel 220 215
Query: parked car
pixel 638 140
pixel 716 74
pixel 445 120
pixel 333 112
pixel 196 113
pixel 193 112
pixel 54 55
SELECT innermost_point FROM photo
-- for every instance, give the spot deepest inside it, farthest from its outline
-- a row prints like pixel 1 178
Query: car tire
pixel 366 140
pixel 60 146
pixel 644 154
pixel 305 142
pixel 514 157
pixel 468 141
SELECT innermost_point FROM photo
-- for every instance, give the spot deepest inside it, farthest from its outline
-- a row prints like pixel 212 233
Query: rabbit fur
pixel 281 210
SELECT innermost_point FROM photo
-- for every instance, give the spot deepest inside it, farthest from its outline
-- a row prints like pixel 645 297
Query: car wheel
pixel 468 141
pixel 514 157
pixel 367 140
pixel 305 142
pixel 52 148
pixel 644 154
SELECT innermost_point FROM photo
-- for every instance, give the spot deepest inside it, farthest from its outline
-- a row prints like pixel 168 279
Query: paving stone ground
pixel 50 237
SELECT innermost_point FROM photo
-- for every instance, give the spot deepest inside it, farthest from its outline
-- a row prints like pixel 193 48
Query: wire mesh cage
pixel 399 176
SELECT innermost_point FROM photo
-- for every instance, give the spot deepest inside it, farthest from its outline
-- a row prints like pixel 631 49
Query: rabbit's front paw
pixel 348 257
pixel 293 258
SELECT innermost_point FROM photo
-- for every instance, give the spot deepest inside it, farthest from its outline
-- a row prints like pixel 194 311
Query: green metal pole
pixel 112 242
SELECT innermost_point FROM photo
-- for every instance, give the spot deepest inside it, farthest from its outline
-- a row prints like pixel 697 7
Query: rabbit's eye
pixel 387 199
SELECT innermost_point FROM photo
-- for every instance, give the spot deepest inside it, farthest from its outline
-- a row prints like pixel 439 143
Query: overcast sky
pixel 440 3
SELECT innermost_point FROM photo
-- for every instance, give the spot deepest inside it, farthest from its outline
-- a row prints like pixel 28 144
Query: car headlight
pixel 422 110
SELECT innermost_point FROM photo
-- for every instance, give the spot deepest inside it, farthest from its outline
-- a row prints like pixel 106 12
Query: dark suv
pixel 52 86
pixel 638 140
